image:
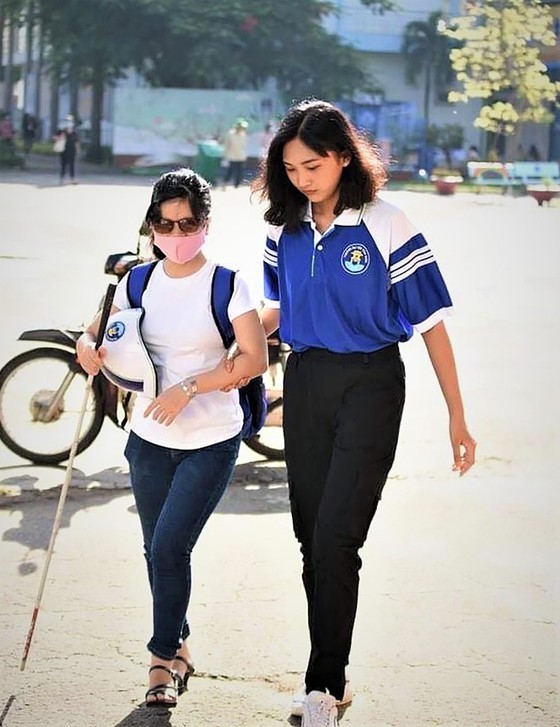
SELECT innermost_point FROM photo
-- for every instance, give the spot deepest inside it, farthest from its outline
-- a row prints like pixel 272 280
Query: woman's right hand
pixel 89 358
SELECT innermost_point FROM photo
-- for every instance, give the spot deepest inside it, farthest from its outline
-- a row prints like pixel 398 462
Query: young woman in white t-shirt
pixel 183 444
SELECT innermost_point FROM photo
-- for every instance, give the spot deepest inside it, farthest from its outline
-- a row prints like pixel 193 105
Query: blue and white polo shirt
pixel 364 284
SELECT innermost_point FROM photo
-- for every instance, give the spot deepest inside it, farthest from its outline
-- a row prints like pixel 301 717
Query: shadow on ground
pixel 144 716
pixel 256 488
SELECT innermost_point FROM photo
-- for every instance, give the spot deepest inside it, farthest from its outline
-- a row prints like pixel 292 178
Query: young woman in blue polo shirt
pixel 347 278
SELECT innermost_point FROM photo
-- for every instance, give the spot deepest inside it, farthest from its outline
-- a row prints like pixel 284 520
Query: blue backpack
pixel 252 397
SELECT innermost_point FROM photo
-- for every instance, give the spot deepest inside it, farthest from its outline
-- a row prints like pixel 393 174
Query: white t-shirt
pixel 183 341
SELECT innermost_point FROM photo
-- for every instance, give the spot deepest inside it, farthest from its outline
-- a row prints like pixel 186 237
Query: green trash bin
pixel 208 158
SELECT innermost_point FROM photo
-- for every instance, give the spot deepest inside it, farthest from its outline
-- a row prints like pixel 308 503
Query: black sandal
pixel 182 680
pixel 163 689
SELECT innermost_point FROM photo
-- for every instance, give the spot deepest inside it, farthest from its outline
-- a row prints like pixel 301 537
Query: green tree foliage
pixel 89 36
pixel 426 53
pixel 218 44
pixel 92 42
pixel 499 62
pixel 380 6
pixel 241 43
pixel 192 44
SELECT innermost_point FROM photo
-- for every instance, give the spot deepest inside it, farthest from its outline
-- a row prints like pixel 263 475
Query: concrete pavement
pixel 457 624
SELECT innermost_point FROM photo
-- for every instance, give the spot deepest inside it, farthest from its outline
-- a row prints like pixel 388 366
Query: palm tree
pixel 426 51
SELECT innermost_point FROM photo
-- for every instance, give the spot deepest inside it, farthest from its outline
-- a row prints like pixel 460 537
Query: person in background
pixel 235 153
pixel 348 278
pixel 6 131
pixel 69 142
pixel 533 154
pixel 28 132
pixel 183 442
pixel 473 155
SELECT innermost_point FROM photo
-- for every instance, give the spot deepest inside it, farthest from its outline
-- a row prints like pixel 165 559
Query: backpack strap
pixel 222 289
pixel 223 281
pixel 137 282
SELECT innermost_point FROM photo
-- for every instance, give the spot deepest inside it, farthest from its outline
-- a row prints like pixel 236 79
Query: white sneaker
pixel 319 710
pixel 299 698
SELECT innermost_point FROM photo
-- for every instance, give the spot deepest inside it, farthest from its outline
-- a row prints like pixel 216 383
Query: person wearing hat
pixel 67 145
pixel 185 430
pixel 235 153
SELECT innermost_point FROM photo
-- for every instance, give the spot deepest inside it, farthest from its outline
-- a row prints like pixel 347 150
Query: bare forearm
pixel 443 361
pixel 270 319
pixel 441 355
pixel 246 366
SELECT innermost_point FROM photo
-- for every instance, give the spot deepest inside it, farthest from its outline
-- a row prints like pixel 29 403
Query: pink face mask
pixel 181 248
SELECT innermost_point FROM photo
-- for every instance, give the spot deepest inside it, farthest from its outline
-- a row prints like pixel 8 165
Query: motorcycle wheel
pixel 28 384
pixel 269 442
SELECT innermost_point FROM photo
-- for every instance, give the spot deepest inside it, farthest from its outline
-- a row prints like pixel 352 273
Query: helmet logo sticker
pixel 355 258
pixel 115 331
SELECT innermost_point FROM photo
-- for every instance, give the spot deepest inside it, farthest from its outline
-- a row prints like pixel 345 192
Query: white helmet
pixel 127 363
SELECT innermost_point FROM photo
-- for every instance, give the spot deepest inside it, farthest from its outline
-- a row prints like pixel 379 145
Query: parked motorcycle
pixel 42 391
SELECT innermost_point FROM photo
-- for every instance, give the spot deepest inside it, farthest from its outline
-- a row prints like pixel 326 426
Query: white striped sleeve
pixel 407 266
pixel 270 255
pixel 270 269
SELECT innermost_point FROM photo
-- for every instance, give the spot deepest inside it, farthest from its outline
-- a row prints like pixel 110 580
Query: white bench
pixel 491 174
pixel 528 173
pixel 513 174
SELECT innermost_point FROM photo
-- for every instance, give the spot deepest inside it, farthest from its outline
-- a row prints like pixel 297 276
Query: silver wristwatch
pixel 189 387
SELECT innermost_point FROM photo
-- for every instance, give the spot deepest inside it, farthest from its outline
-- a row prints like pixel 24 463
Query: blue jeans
pixel 175 491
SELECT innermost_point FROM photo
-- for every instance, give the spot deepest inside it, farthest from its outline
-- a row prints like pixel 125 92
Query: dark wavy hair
pixel 180 183
pixel 324 128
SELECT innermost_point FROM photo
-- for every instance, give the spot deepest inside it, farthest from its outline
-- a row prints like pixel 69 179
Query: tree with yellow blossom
pixel 499 62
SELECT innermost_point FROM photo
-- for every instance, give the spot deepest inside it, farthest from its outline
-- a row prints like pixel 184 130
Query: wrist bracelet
pixel 189 387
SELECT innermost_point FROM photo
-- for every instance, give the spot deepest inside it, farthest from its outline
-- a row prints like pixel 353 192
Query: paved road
pixel 457 619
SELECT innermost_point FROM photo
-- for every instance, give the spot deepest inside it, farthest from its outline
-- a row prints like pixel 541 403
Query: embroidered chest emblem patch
pixel 115 331
pixel 355 258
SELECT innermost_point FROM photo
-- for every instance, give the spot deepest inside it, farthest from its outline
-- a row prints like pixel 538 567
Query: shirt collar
pixel 347 218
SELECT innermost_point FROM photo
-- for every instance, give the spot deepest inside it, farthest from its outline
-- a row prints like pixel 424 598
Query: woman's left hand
pixel 166 406
pixel 464 447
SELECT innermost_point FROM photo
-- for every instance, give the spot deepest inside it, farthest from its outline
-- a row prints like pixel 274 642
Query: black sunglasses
pixel 186 225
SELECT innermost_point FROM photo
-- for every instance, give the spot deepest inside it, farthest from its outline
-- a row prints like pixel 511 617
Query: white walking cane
pixel 107 304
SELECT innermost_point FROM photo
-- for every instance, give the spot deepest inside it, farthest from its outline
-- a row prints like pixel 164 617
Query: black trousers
pixel 234 170
pixel 342 414
pixel 67 162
